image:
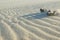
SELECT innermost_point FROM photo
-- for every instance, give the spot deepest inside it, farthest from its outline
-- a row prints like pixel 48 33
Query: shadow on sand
pixel 35 16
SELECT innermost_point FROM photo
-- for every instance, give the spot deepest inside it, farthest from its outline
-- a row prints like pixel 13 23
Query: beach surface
pixel 28 24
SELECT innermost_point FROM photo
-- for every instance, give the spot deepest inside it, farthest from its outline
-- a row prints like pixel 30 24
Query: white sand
pixel 16 26
pixel 28 24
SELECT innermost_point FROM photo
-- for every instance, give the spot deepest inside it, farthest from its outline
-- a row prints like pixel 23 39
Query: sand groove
pixel 16 27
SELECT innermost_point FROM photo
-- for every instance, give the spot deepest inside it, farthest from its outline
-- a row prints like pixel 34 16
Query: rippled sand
pixel 16 24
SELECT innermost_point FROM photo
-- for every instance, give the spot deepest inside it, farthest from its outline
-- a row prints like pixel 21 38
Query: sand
pixel 28 24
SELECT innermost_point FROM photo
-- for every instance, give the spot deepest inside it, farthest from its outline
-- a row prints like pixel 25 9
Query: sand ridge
pixel 19 25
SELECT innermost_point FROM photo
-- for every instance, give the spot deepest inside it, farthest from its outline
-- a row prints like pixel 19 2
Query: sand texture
pixel 29 24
